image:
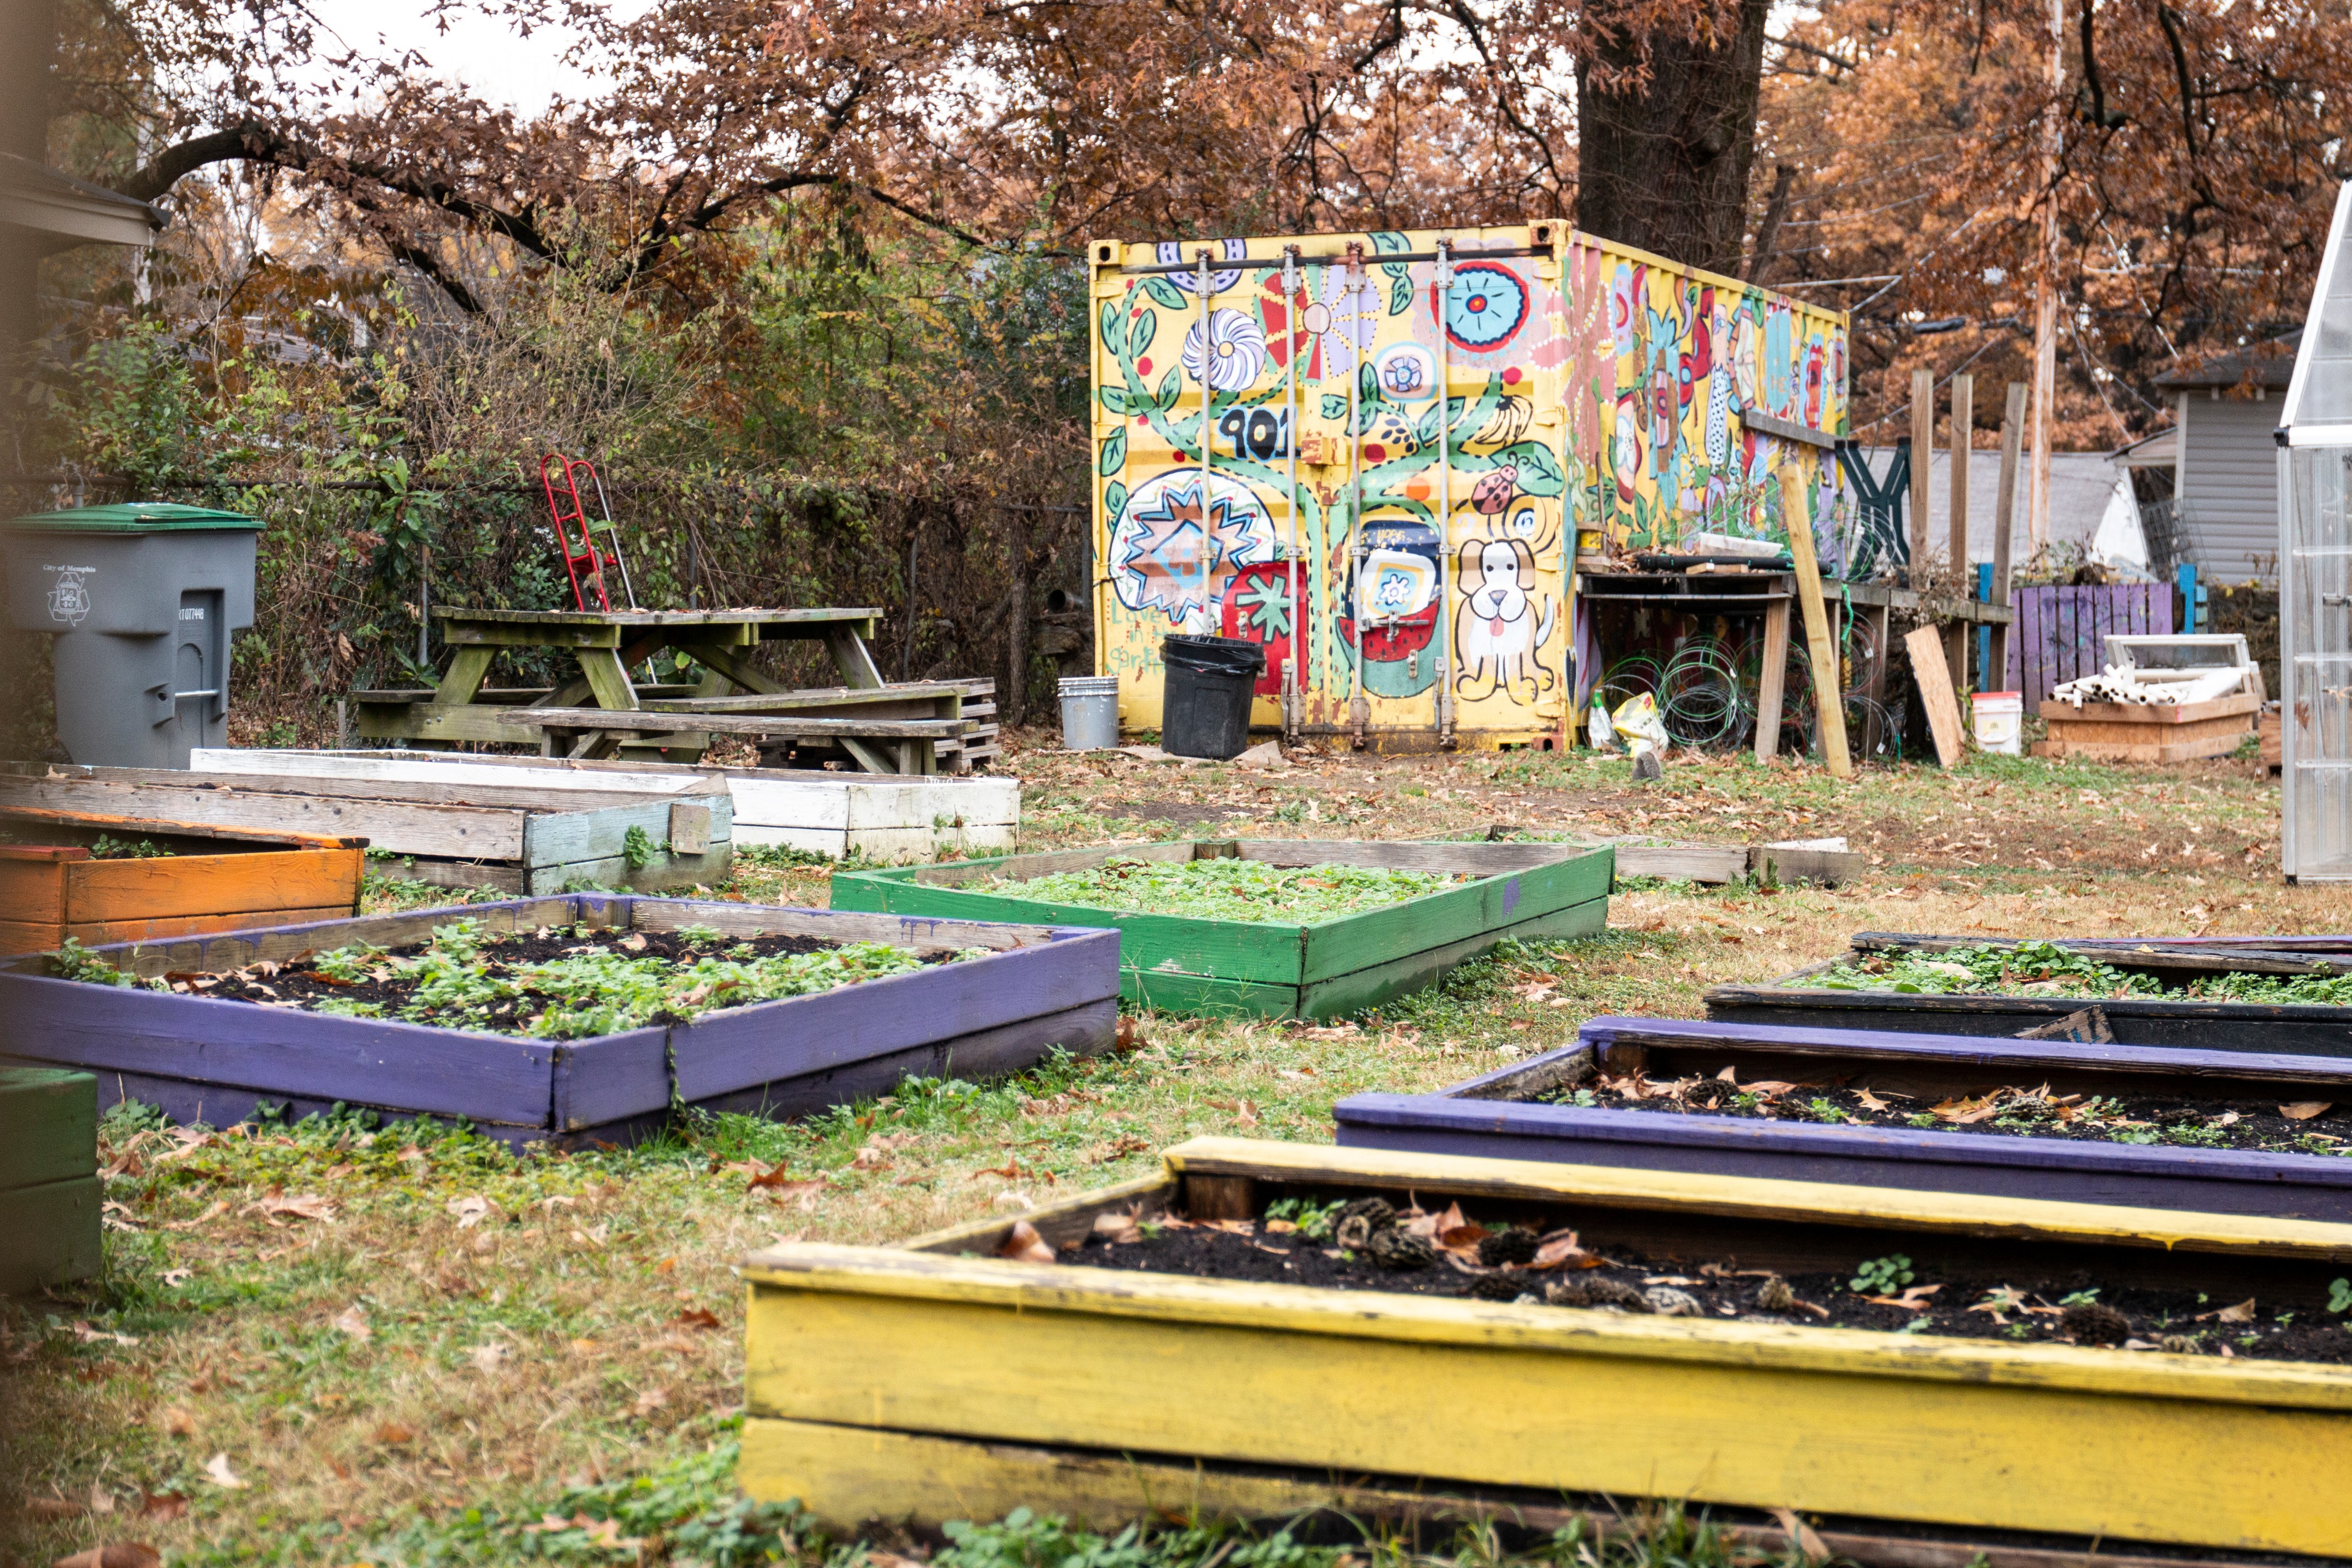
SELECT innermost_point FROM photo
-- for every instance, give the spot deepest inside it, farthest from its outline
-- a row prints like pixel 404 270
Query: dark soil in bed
pixel 2028 1111
pixel 2077 1309
pixel 567 982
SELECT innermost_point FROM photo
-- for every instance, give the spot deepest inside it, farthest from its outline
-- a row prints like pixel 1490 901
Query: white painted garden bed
pixel 892 821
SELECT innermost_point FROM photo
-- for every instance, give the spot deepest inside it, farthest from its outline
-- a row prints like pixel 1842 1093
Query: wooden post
pixel 1772 680
pixel 1955 635
pixel 2004 518
pixel 1923 453
pixel 1935 681
pixel 1829 692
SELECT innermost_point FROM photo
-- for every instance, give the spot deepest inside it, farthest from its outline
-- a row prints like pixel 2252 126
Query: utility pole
pixel 2045 304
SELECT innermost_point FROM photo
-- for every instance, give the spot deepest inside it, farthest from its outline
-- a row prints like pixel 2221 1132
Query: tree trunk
pixel 1012 703
pixel 1663 164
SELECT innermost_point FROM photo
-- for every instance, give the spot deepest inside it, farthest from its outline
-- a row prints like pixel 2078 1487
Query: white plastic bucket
pixel 2000 720
pixel 1089 712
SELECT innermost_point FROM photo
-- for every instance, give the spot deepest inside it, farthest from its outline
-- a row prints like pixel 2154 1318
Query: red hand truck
pixel 582 561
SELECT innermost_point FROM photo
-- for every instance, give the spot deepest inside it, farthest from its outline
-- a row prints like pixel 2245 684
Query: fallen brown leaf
pixel 1128 1037
pixel 1560 1250
pixel 114 1554
pixel 219 1208
pixel 47 1509
pixel 217 1472
pixel 1023 1245
pixel 2304 1110
pixel 784 1189
pixel 651 1400
pixel 2244 1313
pixel 392 1435
pixel 299 1205
pixel 698 1318
pixel 469 1212
pixel 176 1422
pixel 354 1322
pixel 1801 1535
pixel 164 1506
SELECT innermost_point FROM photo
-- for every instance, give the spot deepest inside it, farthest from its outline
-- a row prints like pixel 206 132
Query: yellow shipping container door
pixel 1375 454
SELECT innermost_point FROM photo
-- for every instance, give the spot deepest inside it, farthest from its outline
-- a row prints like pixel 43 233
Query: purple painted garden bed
pixel 1036 988
pixel 1513 1114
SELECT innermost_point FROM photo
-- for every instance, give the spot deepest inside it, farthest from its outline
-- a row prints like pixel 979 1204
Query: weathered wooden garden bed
pixel 513 837
pixel 1271 968
pixel 1515 1114
pixel 2193 1024
pixel 939 1381
pixel 50 1190
pixel 161 878
pixel 875 817
pixel 211 1060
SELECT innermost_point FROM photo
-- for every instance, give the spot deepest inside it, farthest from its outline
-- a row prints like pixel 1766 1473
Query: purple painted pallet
pixel 2061 632
pixel 1037 988
pixel 1498 1116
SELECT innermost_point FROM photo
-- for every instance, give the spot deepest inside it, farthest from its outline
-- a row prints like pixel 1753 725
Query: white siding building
pixel 2225 460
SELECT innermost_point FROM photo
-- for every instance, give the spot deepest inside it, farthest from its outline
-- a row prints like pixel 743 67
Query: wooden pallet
pixel 1516 1112
pixel 49 1178
pixel 513 838
pixel 1031 991
pixel 937 1381
pixel 1275 968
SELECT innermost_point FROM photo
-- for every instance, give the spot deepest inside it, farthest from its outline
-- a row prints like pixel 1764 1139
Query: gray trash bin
pixel 142 598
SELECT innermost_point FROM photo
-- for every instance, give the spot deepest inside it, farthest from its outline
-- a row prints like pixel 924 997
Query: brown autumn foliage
pixel 2202 156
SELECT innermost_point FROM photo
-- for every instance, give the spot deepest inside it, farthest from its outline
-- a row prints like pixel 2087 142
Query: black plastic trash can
pixel 1205 709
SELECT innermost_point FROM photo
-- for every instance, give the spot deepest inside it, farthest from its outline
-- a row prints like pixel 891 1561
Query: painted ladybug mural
pixel 1494 492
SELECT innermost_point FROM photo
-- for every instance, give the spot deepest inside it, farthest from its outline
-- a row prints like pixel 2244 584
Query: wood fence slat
pixel 2033 648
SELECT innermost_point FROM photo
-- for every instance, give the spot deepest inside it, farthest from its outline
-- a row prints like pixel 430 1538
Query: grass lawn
pixel 334 1344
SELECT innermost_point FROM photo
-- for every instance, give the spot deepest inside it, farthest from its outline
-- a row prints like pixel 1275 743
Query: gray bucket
pixel 1090 713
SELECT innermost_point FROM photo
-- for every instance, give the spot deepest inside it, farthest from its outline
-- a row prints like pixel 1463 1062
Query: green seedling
pixel 1881 1276
pixel 1314 1220
pixel 108 848
pixel 1228 888
pixel 2078 1299
pixel 2339 1296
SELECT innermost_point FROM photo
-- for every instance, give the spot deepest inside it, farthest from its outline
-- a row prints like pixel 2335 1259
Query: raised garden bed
pixel 49 1191
pixel 2138 1125
pixel 521 839
pixel 1840 994
pixel 952 1378
pixel 1271 966
pixel 101 878
pixel 889 820
pixel 1010 994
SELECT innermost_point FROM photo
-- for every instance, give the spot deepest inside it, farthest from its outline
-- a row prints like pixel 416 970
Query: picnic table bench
pixel 876 725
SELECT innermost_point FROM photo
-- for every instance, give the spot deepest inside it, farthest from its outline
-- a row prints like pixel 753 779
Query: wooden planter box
pixel 1497 1117
pixel 49 1178
pixel 2133 732
pixel 1270 969
pixel 513 838
pixel 877 818
pixel 214 1062
pixel 214 880
pixel 935 1382
pixel 2300 1030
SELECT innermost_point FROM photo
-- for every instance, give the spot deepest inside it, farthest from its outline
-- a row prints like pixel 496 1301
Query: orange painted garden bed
pixel 120 879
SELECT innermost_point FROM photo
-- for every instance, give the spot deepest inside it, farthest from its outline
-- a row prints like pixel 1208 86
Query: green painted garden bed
pixel 1278 968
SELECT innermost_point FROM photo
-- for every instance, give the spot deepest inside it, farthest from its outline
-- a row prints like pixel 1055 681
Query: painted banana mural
pixel 1379 453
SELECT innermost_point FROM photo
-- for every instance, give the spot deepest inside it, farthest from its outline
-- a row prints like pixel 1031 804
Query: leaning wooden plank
pixel 1934 679
pixel 556 838
pixel 1682 862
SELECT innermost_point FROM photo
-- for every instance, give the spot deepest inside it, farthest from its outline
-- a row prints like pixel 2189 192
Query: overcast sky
pixel 523 74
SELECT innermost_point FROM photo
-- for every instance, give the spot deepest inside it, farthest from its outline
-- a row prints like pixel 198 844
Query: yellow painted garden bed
pixel 935 1381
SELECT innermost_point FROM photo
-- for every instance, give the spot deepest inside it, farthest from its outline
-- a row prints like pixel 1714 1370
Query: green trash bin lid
pixel 133 517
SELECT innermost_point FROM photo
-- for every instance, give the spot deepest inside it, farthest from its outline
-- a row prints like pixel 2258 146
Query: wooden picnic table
pixel 881 727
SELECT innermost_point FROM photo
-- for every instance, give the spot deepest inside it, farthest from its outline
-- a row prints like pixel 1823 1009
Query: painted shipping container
pixel 1408 559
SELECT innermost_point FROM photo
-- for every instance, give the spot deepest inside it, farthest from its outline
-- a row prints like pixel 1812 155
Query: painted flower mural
pixel 1234 355
pixel 1169 252
pixel 1170 554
